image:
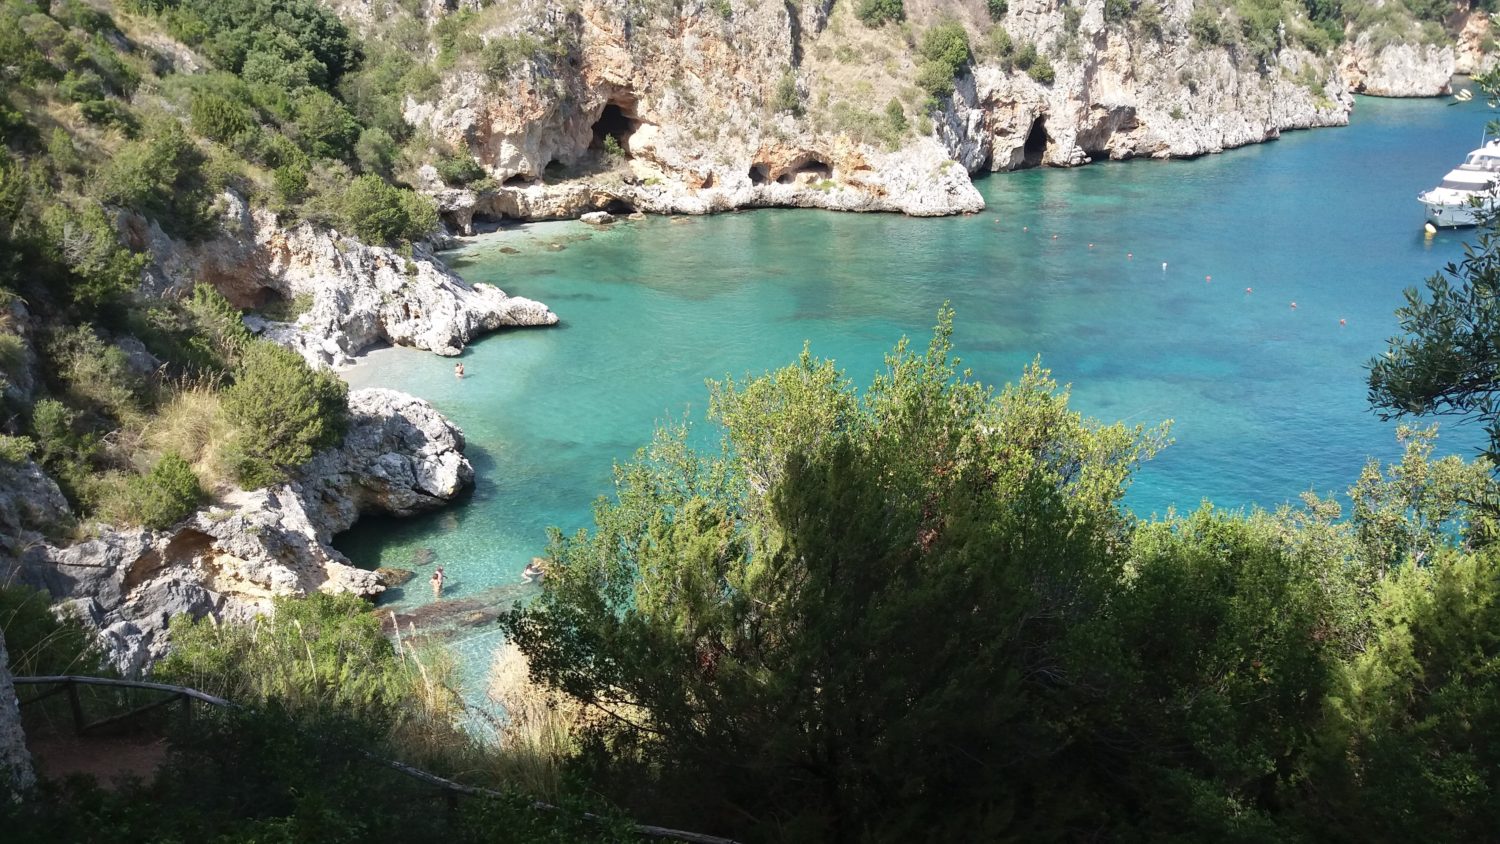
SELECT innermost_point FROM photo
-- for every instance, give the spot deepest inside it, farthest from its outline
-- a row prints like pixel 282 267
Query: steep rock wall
pixel 400 457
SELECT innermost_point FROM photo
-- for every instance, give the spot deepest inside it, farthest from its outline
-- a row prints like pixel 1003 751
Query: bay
pixel 1158 290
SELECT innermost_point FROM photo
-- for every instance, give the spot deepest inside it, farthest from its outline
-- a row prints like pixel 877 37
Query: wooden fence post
pixel 77 706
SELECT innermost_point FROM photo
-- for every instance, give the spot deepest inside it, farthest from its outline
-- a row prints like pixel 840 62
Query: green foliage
pixel 460 169
pixel 161 177
pixel 39 642
pixel 320 653
pixel 292 33
pixel 322 126
pixel 378 212
pixel 875 13
pixel 1439 365
pixel 786 98
pixel 283 412
pixel 166 495
pixel 375 151
pixel 1205 27
pixel 219 117
pixel 996 8
pixel 1117 11
pixel 502 55
pixel 895 117
pixel 945 52
pixel 1040 69
pixel 101 272
pixel 16 449
pixel 770 610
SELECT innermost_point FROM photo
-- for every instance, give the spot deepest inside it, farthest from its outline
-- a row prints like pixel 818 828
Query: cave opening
pixel 759 174
pixel 520 180
pixel 617 121
pixel 1036 143
pixel 619 207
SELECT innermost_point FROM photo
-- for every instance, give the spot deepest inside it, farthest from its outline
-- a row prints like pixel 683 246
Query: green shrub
pixel 16 449
pixel 1041 70
pixel 879 12
pixel 459 169
pixel 935 78
pixel 895 117
pixel 161 176
pixel 375 151
pixel 40 643
pixel 996 8
pixel 101 270
pixel 322 126
pixel 786 98
pixel 377 212
pixel 1148 18
pixel 109 113
pixel 945 51
pixel 219 117
pixel 1205 27
pixel 283 413
pixel 1116 11
pixel 81 86
pixel 166 495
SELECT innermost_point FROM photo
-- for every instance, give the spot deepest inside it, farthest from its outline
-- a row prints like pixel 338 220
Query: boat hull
pixel 1455 214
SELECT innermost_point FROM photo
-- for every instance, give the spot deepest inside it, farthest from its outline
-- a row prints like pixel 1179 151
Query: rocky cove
pixel 687 110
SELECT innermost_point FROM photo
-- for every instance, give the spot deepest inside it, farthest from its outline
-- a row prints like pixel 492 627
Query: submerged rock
pixel 390 577
pixel 399 457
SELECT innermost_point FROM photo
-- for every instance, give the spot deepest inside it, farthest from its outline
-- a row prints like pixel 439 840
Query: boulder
pixel 598 218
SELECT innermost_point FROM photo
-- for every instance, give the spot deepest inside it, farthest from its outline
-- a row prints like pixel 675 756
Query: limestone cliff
pixel 400 457
pixel 355 295
pixel 695 106
pixel 16 774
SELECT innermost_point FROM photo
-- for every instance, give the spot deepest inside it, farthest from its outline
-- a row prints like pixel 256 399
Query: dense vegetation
pixel 919 611
pixel 325 695
pixel 139 405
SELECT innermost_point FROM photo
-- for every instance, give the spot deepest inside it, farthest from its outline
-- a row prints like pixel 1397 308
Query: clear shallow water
pixel 1267 400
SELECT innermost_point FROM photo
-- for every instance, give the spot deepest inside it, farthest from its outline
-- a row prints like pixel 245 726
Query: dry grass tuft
pixel 191 424
pixel 540 726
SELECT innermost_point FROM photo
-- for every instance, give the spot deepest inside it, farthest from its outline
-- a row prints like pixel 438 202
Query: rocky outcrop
pixel 399 457
pixel 1397 70
pixel 16 774
pixel 32 508
pixel 700 107
pixel 1474 51
pixel 355 296
pixel 1133 97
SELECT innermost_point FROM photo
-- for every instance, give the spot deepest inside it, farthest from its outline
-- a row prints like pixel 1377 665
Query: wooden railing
pixel 68 684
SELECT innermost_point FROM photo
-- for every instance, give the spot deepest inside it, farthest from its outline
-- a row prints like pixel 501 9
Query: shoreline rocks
pixel 400 457
pixel 353 296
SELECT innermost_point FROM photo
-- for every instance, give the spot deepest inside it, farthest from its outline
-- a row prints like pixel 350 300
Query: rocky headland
pixel 744 104
pixel 352 295
pixel 400 457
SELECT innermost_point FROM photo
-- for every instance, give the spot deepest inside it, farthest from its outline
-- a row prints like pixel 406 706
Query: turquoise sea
pixel 1159 290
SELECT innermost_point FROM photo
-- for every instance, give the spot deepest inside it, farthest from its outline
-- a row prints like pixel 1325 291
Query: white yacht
pixel 1467 190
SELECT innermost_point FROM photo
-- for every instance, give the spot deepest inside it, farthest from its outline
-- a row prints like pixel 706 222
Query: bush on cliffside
pixel 283 413
pixel 378 212
pixel 879 12
pixel 166 495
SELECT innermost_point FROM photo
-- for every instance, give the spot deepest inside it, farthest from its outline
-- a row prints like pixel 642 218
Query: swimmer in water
pixel 458 370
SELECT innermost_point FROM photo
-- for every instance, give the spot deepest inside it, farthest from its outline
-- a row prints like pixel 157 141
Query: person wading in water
pixel 437 582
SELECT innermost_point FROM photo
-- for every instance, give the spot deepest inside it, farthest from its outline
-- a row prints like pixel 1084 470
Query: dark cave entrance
pixel 759 174
pixel 1036 143
pixel 807 172
pixel 617 121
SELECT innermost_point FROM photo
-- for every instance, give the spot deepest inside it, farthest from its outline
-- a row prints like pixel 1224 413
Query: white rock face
pixel 358 295
pixel 1398 70
pixel 400 457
